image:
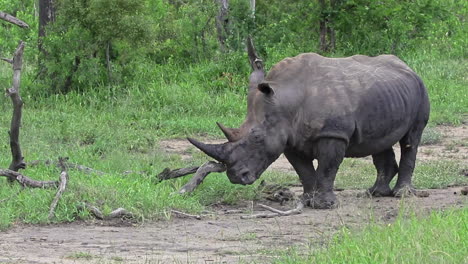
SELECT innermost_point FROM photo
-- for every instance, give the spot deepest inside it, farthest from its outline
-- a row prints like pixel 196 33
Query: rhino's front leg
pixel 318 184
pixel 304 168
pixel 330 153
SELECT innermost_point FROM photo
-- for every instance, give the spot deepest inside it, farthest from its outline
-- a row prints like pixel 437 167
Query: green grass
pixel 361 174
pixel 439 238
pixel 116 129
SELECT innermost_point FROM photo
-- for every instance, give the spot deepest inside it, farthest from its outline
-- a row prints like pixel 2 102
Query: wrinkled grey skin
pixel 311 107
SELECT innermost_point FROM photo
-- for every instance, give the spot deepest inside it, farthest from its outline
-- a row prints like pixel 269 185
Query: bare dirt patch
pixel 220 237
pixel 217 238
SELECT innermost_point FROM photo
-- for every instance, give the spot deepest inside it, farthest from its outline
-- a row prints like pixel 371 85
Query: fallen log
pixel 200 175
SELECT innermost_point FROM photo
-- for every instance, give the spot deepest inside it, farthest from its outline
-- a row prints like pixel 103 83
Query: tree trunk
pixel 222 23
pixel 252 9
pixel 46 16
pixel 327 33
pixel 323 27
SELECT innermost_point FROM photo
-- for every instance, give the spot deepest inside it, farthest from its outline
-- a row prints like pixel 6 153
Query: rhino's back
pixel 315 72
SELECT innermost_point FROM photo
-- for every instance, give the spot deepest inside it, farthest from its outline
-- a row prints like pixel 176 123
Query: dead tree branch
pixel 200 175
pixel 117 213
pixel 11 19
pixel 92 209
pixel 167 174
pixel 276 212
pixel 58 195
pixel 14 93
pixel 26 181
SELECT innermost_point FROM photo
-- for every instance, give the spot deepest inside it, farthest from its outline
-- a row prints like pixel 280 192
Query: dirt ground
pixel 221 236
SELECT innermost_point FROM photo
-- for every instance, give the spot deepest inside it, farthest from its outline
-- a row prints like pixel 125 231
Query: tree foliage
pixel 105 42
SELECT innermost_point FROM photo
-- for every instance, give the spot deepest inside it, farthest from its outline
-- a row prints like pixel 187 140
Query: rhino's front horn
pixel 232 134
pixel 216 151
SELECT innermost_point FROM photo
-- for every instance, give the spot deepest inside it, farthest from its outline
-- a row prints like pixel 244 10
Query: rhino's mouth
pixel 244 175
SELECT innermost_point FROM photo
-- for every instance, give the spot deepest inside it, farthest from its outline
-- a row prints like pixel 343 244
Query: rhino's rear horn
pixel 232 134
pixel 216 151
pixel 255 62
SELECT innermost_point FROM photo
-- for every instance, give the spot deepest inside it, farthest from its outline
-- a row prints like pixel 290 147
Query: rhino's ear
pixel 266 89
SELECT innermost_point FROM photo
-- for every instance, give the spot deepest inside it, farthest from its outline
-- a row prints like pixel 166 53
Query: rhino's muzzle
pixel 244 176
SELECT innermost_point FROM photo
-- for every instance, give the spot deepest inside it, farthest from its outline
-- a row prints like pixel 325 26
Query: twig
pixel 58 195
pixel 171 174
pixel 185 215
pixel 119 213
pixel 13 20
pixel 276 212
pixel 200 175
pixel 26 181
pixel 92 209
pixel 270 215
pixel 7 60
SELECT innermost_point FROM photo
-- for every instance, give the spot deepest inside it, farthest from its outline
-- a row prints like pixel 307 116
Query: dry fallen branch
pixel 276 212
pixel 167 174
pixel 27 182
pixel 92 209
pixel 185 215
pixel 200 175
pixel 117 213
pixel 11 19
pixel 58 195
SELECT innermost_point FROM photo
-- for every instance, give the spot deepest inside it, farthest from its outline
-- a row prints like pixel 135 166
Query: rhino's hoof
pixel 404 191
pixel 378 192
pixel 320 201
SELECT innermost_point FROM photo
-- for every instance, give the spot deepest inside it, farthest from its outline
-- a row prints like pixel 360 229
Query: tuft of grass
pixel 439 238
pixel 81 256
pixel 431 136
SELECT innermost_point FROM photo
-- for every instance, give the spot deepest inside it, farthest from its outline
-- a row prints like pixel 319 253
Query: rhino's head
pixel 247 158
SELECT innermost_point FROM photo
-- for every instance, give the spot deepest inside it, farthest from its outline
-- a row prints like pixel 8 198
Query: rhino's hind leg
pixel 404 186
pixel 387 168
pixel 409 148
pixel 329 153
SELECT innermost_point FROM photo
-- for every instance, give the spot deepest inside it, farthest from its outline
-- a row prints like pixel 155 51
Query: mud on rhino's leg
pixel 329 153
pixel 387 168
pixel 305 169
